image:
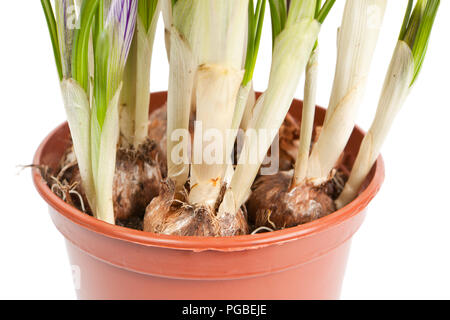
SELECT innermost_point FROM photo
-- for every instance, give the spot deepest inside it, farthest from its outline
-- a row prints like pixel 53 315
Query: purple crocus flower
pixel 121 23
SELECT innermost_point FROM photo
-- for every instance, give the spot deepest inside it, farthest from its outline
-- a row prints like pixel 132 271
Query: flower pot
pixel 111 262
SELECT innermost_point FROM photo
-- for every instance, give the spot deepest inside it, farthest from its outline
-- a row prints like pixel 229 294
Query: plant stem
pixel 166 7
pixel 241 104
pixel 111 53
pixel 405 65
pixel 76 104
pixel 216 90
pixel 135 100
pixel 308 112
pixel 357 40
pixel 181 83
pixel 255 25
pixel 395 91
pixel 291 53
pixel 213 32
pixel 323 13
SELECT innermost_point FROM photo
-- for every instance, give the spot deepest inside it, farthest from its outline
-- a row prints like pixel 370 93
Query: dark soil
pixel 136 223
pixel 136 183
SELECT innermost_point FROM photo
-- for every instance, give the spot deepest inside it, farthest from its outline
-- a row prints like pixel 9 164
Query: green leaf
pixel 80 55
pixel 102 53
pixel 276 21
pixel 282 12
pixel 416 29
pixel 406 20
pixel 292 50
pixel 51 23
pixel 423 36
pixel 278 13
pixel 146 11
pixel 414 22
pixel 323 13
pixel 104 173
pixel 255 24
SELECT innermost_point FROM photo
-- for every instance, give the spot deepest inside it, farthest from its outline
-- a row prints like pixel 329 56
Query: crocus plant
pixel 102 43
pixel 135 100
pixel 295 34
pixel 405 66
pixel 103 51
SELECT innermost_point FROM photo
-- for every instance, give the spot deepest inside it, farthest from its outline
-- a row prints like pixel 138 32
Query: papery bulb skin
pixel 171 216
pixel 276 205
pixel 137 179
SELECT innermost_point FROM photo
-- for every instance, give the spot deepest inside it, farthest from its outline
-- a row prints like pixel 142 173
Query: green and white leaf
pixel 216 90
pixel 166 7
pixel 395 91
pixel 105 170
pixel 135 99
pixel 357 39
pixel 181 83
pixel 65 26
pixel 291 53
pixel 78 111
pixel 241 105
pixel 249 109
pixel 213 29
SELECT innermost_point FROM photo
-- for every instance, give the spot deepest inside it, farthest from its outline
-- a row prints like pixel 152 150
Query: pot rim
pixel 197 244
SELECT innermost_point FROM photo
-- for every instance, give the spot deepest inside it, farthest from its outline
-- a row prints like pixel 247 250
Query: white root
pixel 83 208
pixel 262 229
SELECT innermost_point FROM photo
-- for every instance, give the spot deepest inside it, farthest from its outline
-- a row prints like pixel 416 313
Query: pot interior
pixel 53 147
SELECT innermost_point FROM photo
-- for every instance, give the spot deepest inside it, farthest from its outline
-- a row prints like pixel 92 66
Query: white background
pixel 402 249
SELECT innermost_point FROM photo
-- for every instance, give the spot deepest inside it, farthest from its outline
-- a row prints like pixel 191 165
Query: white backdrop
pixel 402 249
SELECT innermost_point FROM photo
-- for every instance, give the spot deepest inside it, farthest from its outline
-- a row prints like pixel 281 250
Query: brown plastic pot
pixel 111 262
